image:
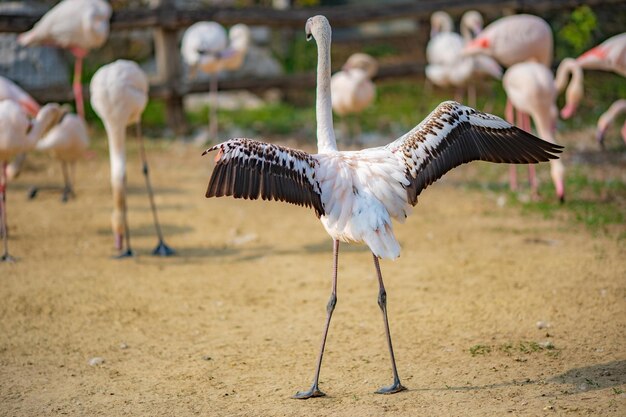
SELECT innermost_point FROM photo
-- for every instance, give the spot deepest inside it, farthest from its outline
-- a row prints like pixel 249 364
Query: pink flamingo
pixel 513 39
pixel 11 91
pixel 77 25
pixel 357 193
pixel 610 55
pixel 19 134
pixel 531 89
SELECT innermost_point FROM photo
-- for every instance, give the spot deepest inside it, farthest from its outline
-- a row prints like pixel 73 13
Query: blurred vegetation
pixel 576 36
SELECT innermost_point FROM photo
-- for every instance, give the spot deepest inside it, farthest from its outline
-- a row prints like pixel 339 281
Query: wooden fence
pixel 166 20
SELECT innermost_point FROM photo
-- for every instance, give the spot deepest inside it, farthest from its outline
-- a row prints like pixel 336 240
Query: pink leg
pixel 213 106
pixel 3 215
pixel 510 117
pixel 78 87
pixel 532 175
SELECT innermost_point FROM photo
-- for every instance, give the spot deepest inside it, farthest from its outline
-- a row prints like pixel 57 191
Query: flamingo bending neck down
pixel 532 91
pixel 67 141
pixel 18 134
pixel 77 25
pixel 119 94
pixel 356 194
pixel 574 89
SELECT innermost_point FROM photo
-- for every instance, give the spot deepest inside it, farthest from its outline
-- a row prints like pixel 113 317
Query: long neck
pixel 40 127
pixel 575 91
pixel 323 107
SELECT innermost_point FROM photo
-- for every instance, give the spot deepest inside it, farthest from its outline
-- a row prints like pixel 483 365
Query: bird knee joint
pixel 382 298
pixel 332 302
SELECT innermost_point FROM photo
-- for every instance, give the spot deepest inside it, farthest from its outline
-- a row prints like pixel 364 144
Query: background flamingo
pixel 514 39
pixel 11 91
pixel 617 108
pixel 18 135
pixel 610 55
pixel 67 141
pixel 574 90
pixel 356 194
pixel 119 94
pixel 206 47
pixel 352 88
pixel 447 66
pixel 76 25
pixel 531 89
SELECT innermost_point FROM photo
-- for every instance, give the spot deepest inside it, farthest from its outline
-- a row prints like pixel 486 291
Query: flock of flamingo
pixel 355 194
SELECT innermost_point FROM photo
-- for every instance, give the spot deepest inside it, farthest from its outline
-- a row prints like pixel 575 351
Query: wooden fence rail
pixel 167 20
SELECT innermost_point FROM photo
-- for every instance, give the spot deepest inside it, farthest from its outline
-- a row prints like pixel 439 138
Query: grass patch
pixel 479 350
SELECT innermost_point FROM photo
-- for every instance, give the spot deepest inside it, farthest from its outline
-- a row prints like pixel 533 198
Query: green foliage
pixel 576 35
pixel 479 350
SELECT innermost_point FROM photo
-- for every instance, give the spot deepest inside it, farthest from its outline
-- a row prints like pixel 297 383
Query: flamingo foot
pixel 67 194
pixel 8 258
pixel 163 250
pixel 391 389
pixel 32 193
pixel 313 392
pixel 128 253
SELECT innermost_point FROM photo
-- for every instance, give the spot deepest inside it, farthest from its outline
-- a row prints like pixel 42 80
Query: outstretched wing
pixel 454 134
pixel 247 168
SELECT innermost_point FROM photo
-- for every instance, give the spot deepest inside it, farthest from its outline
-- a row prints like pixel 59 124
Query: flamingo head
pixel 317 27
pixel 481 44
pixel 557 171
pixel 362 61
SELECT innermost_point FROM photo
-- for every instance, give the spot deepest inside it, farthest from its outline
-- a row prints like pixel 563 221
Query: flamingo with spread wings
pixel 356 194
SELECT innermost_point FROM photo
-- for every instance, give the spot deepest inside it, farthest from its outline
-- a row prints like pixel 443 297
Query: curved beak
pixel 307 30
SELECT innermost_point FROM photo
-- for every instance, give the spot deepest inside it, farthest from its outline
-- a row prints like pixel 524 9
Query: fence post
pixel 168 65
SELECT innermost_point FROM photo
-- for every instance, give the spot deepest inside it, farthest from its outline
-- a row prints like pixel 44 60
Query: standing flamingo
pixel 352 88
pixel 119 94
pixel 11 91
pixel 607 118
pixel 77 25
pixel 610 55
pixel 18 135
pixel 356 194
pixel 67 141
pixel 531 89
pixel 447 66
pixel 574 90
pixel 514 39
pixel 206 47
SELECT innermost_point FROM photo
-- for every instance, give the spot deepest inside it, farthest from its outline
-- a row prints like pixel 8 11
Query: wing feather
pixel 247 168
pixel 454 134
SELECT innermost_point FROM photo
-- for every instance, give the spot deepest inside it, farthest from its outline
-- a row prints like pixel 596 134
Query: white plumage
pixel 357 194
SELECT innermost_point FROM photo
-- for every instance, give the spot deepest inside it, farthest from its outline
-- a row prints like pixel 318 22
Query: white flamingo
pixel 77 25
pixel 352 88
pixel 617 108
pixel 531 90
pixel 206 47
pixel 119 94
pixel 19 134
pixel 356 194
pixel 67 141
pixel 447 66
pixel 11 91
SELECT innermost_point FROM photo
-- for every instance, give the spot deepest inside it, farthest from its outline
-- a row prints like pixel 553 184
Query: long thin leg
pixel 78 87
pixel 67 186
pixel 213 105
pixel 128 252
pixel 382 303
pixel 161 249
pixel 532 175
pixel 3 215
pixel 330 307
pixel 509 114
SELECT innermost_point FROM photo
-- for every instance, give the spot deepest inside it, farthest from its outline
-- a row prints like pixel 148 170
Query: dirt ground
pixel 231 325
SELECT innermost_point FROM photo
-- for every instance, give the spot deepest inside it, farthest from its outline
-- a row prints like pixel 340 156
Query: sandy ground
pixel 231 326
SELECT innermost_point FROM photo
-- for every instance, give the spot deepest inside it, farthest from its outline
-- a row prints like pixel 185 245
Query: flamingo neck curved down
pixel 326 141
